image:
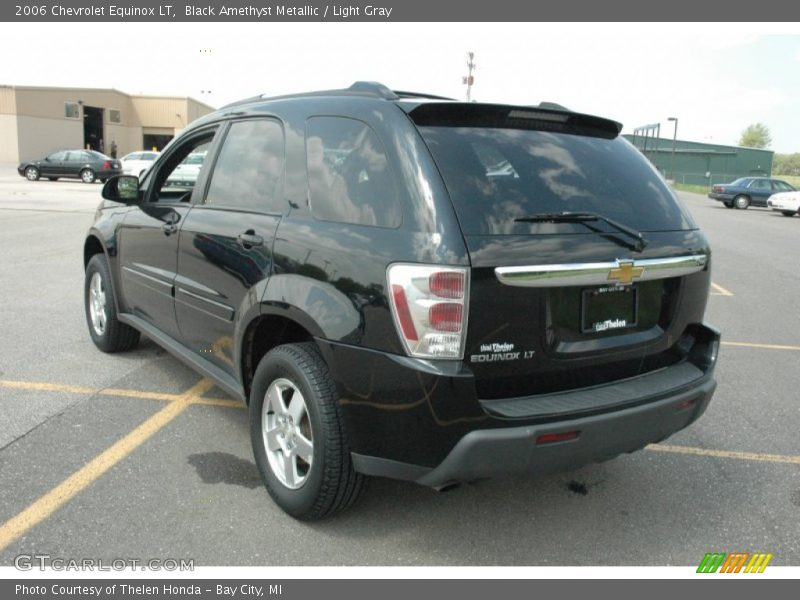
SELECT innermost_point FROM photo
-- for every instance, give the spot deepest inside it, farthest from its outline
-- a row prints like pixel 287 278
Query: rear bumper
pixel 514 450
pixel 418 441
pixel 720 197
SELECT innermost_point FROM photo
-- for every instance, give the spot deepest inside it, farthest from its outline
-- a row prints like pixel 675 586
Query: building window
pixel 114 115
pixel 72 110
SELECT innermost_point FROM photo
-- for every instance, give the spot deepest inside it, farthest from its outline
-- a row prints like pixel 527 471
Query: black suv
pixel 407 286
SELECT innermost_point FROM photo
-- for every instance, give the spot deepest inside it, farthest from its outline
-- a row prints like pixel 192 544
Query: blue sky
pixel 716 78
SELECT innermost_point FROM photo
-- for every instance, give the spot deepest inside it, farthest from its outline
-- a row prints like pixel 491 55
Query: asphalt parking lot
pixel 133 455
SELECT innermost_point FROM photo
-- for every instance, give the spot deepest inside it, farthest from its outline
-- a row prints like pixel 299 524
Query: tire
pixel 306 490
pixel 789 213
pixel 728 204
pixel 106 331
pixel 103 180
pixel 87 176
pixel 31 173
pixel 741 202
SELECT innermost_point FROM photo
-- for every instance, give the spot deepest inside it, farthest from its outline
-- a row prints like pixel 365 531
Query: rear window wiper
pixel 585 217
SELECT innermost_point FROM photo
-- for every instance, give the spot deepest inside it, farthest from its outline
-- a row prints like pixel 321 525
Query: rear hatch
pixel 586 269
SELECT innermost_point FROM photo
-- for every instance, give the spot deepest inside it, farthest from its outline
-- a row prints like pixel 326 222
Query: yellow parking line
pixel 719 290
pixel 219 402
pixel 91 471
pixel 74 389
pixel 138 394
pixel 764 346
pixel 773 458
pixel 47 387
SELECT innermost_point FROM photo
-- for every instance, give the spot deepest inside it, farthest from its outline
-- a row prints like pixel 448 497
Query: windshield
pixel 495 176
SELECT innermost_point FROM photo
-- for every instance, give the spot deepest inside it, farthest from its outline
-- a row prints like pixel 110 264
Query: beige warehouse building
pixel 35 121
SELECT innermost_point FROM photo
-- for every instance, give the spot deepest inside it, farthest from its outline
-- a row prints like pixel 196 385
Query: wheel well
pixel 263 335
pixel 90 248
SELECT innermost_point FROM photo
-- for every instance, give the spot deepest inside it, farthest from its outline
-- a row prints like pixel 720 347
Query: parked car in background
pixel 86 165
pixel 136 163
pixel 748 191
pixel 786 203
pixel 185 174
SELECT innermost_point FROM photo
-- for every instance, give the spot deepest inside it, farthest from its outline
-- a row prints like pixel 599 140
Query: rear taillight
pixel 717 189
pixel 429 305
pixel 106 165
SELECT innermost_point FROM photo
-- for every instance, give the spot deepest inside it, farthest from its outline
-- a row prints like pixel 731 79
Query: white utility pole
pixel 469 79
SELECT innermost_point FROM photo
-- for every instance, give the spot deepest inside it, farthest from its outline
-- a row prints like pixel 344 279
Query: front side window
pixel 176 178
pixel 248 174
pixel 349 177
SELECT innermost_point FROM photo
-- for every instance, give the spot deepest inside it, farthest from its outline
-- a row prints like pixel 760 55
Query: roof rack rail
pixel 553 106
pixel 421 95
pixel 375 88
pixel 359 88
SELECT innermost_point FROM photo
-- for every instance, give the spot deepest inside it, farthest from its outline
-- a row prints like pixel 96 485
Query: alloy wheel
pixel 97 304
pixel 286 428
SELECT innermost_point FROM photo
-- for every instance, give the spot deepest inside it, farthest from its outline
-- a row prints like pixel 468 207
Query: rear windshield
pixel 497 175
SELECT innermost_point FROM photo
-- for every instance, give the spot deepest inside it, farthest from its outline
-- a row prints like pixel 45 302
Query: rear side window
pixel 248 174
pixel 349 177
pixel 495 176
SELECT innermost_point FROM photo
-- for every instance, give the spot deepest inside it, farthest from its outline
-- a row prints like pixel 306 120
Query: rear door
pixel 76 159
pixel 557 305
pixel 760 190
pixel 225 250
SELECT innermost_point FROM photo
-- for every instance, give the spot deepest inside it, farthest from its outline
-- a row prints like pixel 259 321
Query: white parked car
pixel 186 173
pixel 137 163
pixel 786 203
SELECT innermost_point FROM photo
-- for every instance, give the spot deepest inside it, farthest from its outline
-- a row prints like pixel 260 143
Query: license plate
pixel 609 308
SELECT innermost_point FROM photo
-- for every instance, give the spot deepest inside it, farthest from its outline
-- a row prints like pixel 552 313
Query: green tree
pixel 786 164
pixel 756 136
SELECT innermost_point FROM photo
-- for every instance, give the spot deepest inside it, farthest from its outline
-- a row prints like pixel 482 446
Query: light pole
pixel 674 139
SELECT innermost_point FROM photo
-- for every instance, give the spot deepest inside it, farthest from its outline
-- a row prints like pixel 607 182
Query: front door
pixel 53 165
pixel 148 238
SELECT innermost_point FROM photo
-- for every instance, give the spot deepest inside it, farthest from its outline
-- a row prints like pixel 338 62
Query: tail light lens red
pixel 429 305
pixel 106 165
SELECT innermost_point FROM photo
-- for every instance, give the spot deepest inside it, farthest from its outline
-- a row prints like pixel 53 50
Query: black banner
pixel 381 11
pixel 332 589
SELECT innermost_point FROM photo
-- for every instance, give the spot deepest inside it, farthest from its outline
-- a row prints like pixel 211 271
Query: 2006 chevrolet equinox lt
pixel 406 286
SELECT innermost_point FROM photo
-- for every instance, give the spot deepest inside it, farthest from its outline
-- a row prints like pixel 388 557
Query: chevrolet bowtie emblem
pixel 625 273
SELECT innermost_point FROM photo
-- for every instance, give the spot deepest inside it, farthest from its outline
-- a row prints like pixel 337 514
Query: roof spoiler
pixel 539 118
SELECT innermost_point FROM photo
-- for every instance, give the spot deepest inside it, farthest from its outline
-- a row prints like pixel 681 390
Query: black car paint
pixel 400 409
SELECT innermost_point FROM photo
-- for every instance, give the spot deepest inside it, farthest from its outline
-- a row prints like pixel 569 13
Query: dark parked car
pixel 748 191
pixel 86 165
pixel 405 286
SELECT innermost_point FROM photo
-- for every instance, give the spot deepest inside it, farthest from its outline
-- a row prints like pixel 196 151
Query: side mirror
pixel 122 188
